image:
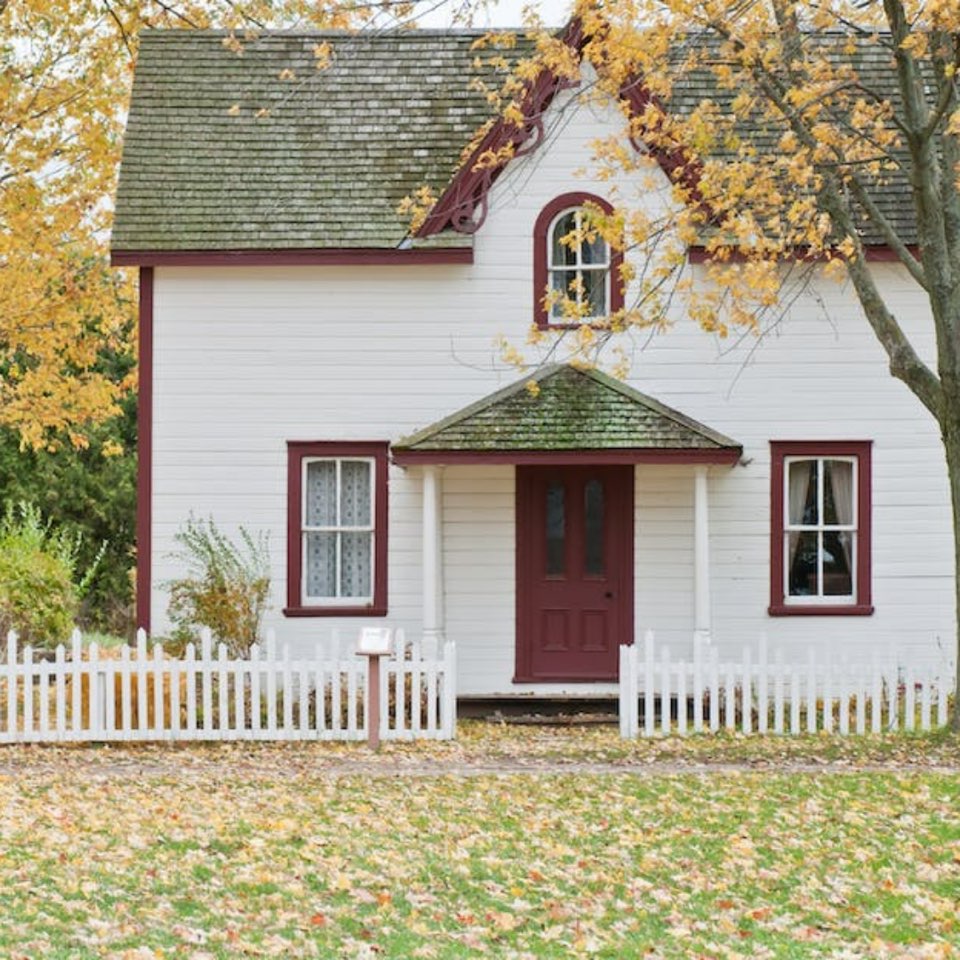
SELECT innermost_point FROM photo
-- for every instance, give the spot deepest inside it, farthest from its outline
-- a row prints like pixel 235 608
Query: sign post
pixel 374 643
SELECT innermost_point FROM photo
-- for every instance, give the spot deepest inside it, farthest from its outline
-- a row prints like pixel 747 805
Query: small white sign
pixel 375 640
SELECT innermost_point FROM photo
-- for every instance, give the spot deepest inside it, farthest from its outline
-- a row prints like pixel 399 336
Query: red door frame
pixel 527 528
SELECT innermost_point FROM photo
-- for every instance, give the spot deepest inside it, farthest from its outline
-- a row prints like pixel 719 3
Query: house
pixel 311 370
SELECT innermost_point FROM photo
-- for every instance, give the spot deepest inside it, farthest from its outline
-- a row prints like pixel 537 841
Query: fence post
pixel 371 709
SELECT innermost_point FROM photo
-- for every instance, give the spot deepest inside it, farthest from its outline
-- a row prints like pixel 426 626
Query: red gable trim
pixel 335 257
pixel 726 456
pixel 469 186
pixel 467 191
pixel 144 447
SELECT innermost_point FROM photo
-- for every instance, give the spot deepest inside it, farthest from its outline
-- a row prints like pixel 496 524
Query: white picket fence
pixel 139 693
pixel 660 695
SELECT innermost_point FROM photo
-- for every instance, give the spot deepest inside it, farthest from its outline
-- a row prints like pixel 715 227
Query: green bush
pixel 40 593
pixel 225 587
pixel 91 495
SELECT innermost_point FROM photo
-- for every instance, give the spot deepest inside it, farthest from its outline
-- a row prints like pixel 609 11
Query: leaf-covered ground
pixel 326 851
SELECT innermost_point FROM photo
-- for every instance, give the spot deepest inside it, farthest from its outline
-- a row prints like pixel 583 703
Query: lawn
pixel 274 851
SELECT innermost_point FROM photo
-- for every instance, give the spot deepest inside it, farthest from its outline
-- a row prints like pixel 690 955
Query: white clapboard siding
pixel 755 694
pixel 140 693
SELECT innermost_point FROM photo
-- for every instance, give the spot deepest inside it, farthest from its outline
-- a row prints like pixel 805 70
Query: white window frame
pixel 821 599
pixel 576 269
pixel 339 600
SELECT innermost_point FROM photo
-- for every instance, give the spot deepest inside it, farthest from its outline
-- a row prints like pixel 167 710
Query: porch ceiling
pixel 562 414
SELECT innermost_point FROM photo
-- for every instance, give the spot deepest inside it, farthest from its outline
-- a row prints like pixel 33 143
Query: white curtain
pixel 356 549
pixel 841 484
pixel 321 499
pixel 801 476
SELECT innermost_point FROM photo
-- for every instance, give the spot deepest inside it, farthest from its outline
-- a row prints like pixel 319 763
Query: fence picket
pixel 795 700
pixel 746 696
pixel 811 692
pixel 271 656
pixel 61 663
pixel 287 729
pixel 779 679
pixel 697 684
pixel 648 683
pixel 223 693
pixel 665 721
pixel 762 686
pixel 730 699
pixel 942 693
pixel 909 699
pixel 28 690
pixel 682 698
pixel 861 710
pixel 76 685
pixel 11 671
pixel 925 704
pixel 43 694
pixel 714 690
pixel 876 694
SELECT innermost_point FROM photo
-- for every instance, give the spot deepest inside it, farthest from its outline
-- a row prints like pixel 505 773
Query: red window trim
pixel 296 451
pixel 540 277
pixel 862 450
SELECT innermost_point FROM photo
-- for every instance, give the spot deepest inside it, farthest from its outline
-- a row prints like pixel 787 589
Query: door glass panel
pixel 593 527
pixel 556 528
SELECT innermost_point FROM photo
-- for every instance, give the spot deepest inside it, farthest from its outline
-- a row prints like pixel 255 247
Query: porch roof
pixel 564 414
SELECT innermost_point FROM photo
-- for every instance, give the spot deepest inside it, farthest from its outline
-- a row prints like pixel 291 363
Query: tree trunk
pixel 950 423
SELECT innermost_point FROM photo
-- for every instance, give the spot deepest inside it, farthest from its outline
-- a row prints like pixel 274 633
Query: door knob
pixel 609 595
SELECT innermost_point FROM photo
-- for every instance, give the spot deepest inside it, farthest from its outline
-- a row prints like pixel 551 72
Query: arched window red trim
pixel 540 246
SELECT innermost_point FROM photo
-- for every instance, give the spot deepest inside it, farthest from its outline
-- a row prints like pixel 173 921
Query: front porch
pixel 539 530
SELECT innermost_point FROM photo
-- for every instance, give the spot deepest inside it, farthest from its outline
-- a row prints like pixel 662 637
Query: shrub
pixel 39 590
pixel 225 586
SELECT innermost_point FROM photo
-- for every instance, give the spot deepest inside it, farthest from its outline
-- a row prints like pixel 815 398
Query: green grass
pixel 251 852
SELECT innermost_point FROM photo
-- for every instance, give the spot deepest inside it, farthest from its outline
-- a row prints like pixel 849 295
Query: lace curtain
pixel 339 561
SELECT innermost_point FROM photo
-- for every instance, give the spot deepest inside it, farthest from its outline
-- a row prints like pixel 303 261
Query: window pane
pixel 560 281
pixel 563 253
pixel 556 528
pixel 594 251
pixel 802 564
pixel 838 564
pixel 837 492
pixel 321 494
pixel 321 562
pixel 802 493
pixel 355 493
pixel 356 551
pixel 595 292
pixel 593 527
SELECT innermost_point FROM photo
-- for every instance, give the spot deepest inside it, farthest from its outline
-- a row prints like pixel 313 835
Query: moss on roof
pixel 328 163
pixel 222 154
pixel 570 409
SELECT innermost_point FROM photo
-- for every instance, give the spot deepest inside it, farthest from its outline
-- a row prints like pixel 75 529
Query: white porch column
pixel 433 626
pixel 701 555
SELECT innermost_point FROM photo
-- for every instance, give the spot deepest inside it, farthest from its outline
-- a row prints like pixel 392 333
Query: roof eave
pixel 720 456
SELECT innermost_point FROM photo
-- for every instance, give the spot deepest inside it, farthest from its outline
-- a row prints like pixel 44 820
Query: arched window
pixel 583 269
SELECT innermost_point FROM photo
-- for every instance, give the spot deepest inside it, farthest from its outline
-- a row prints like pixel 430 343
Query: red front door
pixel 574 571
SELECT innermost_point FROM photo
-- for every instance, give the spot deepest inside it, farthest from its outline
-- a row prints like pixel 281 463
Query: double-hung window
pixel 820 554
pixel 336 529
